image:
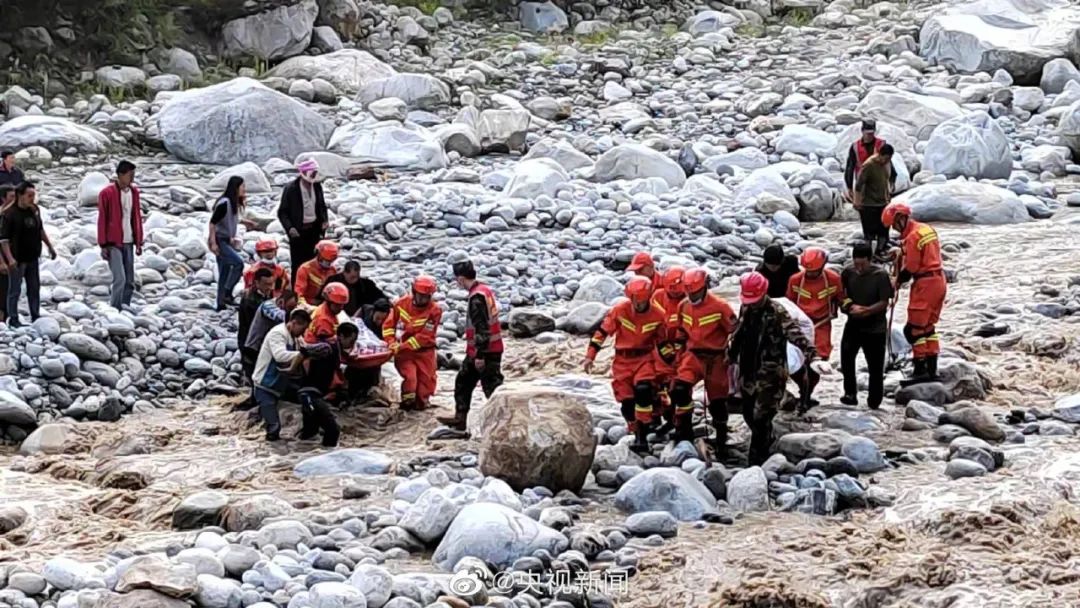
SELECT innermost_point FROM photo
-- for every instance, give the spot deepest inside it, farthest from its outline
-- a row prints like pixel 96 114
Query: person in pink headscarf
pixel 303 214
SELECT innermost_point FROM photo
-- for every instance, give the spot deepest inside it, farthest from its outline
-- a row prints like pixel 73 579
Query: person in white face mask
pixel 302 213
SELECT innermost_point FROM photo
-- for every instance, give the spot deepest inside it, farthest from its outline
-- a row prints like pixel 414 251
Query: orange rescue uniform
pixel 323 326
pixel 819 298
pixel 922 260
pixel 707 326
pixel 310 280
pixel 637 336
pixel 412 329
pixel 281 276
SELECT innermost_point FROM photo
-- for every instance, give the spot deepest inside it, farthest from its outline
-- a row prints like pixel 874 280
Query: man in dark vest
pixel 484 346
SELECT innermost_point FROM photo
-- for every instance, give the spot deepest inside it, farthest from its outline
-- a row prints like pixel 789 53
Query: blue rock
pixel 662 489
pixel 351 461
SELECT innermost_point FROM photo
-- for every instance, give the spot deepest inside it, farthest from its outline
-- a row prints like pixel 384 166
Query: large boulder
pixel 916 114
pixel 635 161
pixel 255 180
pixel 200 509
pixel 1018 36
pixel 748 490
pixel 963 201
pixel 767 191
pixel 240 120
pixel 495 534
pixel 155 572
pixel 503 130
pixel 416 90
pixel 598 288
pixel 666 489
pixel 1055 75
pixel 1068 129
pixel 800 446
pixel 349 461
pixel 562 152
pixel 15 411
pixel 52 133
pixel 274 34
pixel 973 145
pixel 52 438
pixel 542 17
pixel 801 139
pixel 708 22
pixel 348 69
pixel 535 437
pixel 535 177
pixel 407 146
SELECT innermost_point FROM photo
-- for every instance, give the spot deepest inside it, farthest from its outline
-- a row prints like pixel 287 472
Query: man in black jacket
pixel 778 268
pixel 303 214
pixel 362 290
pixel 10 175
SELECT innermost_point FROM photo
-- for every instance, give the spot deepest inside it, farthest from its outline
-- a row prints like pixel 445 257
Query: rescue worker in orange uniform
pixel 668 297
pixel 642 265
pixel 483 346
pixel 312 275
pixel 410 331
pixel 325 321
pixel 919 260
pixel 818 292
pixel 707 321
pixel 266 257
pixel 638 328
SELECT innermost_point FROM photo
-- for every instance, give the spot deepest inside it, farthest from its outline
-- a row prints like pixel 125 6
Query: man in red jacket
pixel 120 232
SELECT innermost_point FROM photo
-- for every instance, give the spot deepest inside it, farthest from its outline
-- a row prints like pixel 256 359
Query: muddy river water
pixel 1009 539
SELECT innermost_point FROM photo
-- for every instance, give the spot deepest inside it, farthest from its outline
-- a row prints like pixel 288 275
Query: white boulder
pixel 406 146
pixel 416 90
pixel 804 140
pixel 52 133
pixel 255 181
pixel 274 34
pixel 973 145
pixel 964 201
pixel 635 161
pixel 562 152
pixel 916 114
pixel 348 69
pixel 535 177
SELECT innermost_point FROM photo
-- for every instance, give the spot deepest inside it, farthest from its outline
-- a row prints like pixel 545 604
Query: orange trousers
pixel 418 374
pixel 823 339
pixel 627 371
pixel 713 370
pixel 924 311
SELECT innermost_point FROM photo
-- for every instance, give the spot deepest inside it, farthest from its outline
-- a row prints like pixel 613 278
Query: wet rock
pixel 374 582
pixel 527 322
pixel 67 574
pixel 670 490
pixel 430 516
pixel 652 522
pixel 535 437
pixel 495 534
pixel 976 421
pixel 349 461
pixel 748 490
pixel 283 535
pixel 250 512
pixel 15 411
pixel 199 510
pixel 974 454
pixel 959 467
pixel 799 446
pixel 946 433
pixel 864 454
pixel 141 598
pixel 920 410
pixel 815 501
pixel 51 438
pixel 998 457
pixel 11 517
pixel 934 393
pixel 714 481
pixel 158 574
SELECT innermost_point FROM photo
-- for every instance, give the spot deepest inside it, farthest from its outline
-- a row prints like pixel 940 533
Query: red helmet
pixel 336 293
pixel 695 279
pixel 265 245
pixel 424 285
pixel 639 289
pixel 327 250
pixel 813 259
pixel 641 260
pixel 753 286
pixel 673 279
pixel 888 216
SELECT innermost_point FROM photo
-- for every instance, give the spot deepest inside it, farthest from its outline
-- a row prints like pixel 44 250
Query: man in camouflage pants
pixel 759 347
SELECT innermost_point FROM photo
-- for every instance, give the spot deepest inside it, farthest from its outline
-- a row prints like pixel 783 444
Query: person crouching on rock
pixel 707 321
pixel 410 330
pixel 278 368
pixel 759 348
pixel 324 382
pixel 638 326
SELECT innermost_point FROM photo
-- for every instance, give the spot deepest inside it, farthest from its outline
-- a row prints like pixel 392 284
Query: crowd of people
pixel 299 328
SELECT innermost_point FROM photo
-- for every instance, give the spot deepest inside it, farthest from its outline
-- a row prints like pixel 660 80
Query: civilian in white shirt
pixel 278 366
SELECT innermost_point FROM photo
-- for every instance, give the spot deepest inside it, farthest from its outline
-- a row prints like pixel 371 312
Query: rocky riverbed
pixel 549 150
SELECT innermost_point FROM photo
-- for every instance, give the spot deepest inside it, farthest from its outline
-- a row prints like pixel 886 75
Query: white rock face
pixel 532 178
pixel 916 114
pixel 275 34
pixel 54 134
pixel 416 90
pixel 348 69
pixel 120 77
pixel 973 145
pixel 708 22
pixel 963 201
pixel 1018 36
pixel 543 17
pixel 804 140
pixel 90 186
pixel 635 161
pixel 240 120
pixel 407 146
pixel 561 152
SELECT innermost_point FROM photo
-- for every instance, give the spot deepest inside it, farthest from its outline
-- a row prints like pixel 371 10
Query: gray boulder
pixel 977 421
pixel 496 534
pixel 635 161
pixel 663 489
pixel 598 288
pixel 864 453
pixel 652 522
pixel 529 322
pixel 535 177
pixel 1067 409
pixel 274 34
pixel 583 319
pixel 14 411
pixel 1068 129
pixel 1056 74
pixel 430 516
pixel 800 446
pixel 916 114
pixel 503 130
pixel 348 69
pixel 86 348
pixel 240 120
pixel 973 145
pixel 179 62
pixel 958 468
pixel 568 157
pixel 416 90
pixel 54 134
pixel 348 461
pixel 542 17
pixel 155 572
pixel 748 490
pixel 199 510
pixel 965 202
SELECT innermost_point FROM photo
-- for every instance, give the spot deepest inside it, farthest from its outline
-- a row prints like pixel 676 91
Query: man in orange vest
pixel 919 260
pixel 410 331
pixel 313 274
pixel 642 265
pixel 668 297
pixel 818 292
pixel 324 321
pixel 483 346
pixel 638 327
pixel 266 257
pixel 707 321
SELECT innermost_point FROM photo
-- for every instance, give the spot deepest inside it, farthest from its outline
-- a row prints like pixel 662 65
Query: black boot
pixel 918 375
pixel 720 450
pixel 684 428
pixel 760 441
pixel 641 442
pixel 931 368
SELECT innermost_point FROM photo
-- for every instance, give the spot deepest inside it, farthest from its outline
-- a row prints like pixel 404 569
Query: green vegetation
pixel 798 17
pixel 749 30
pixel 427 7
pixel 549 60
pixel 597 38
pixel 669 30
